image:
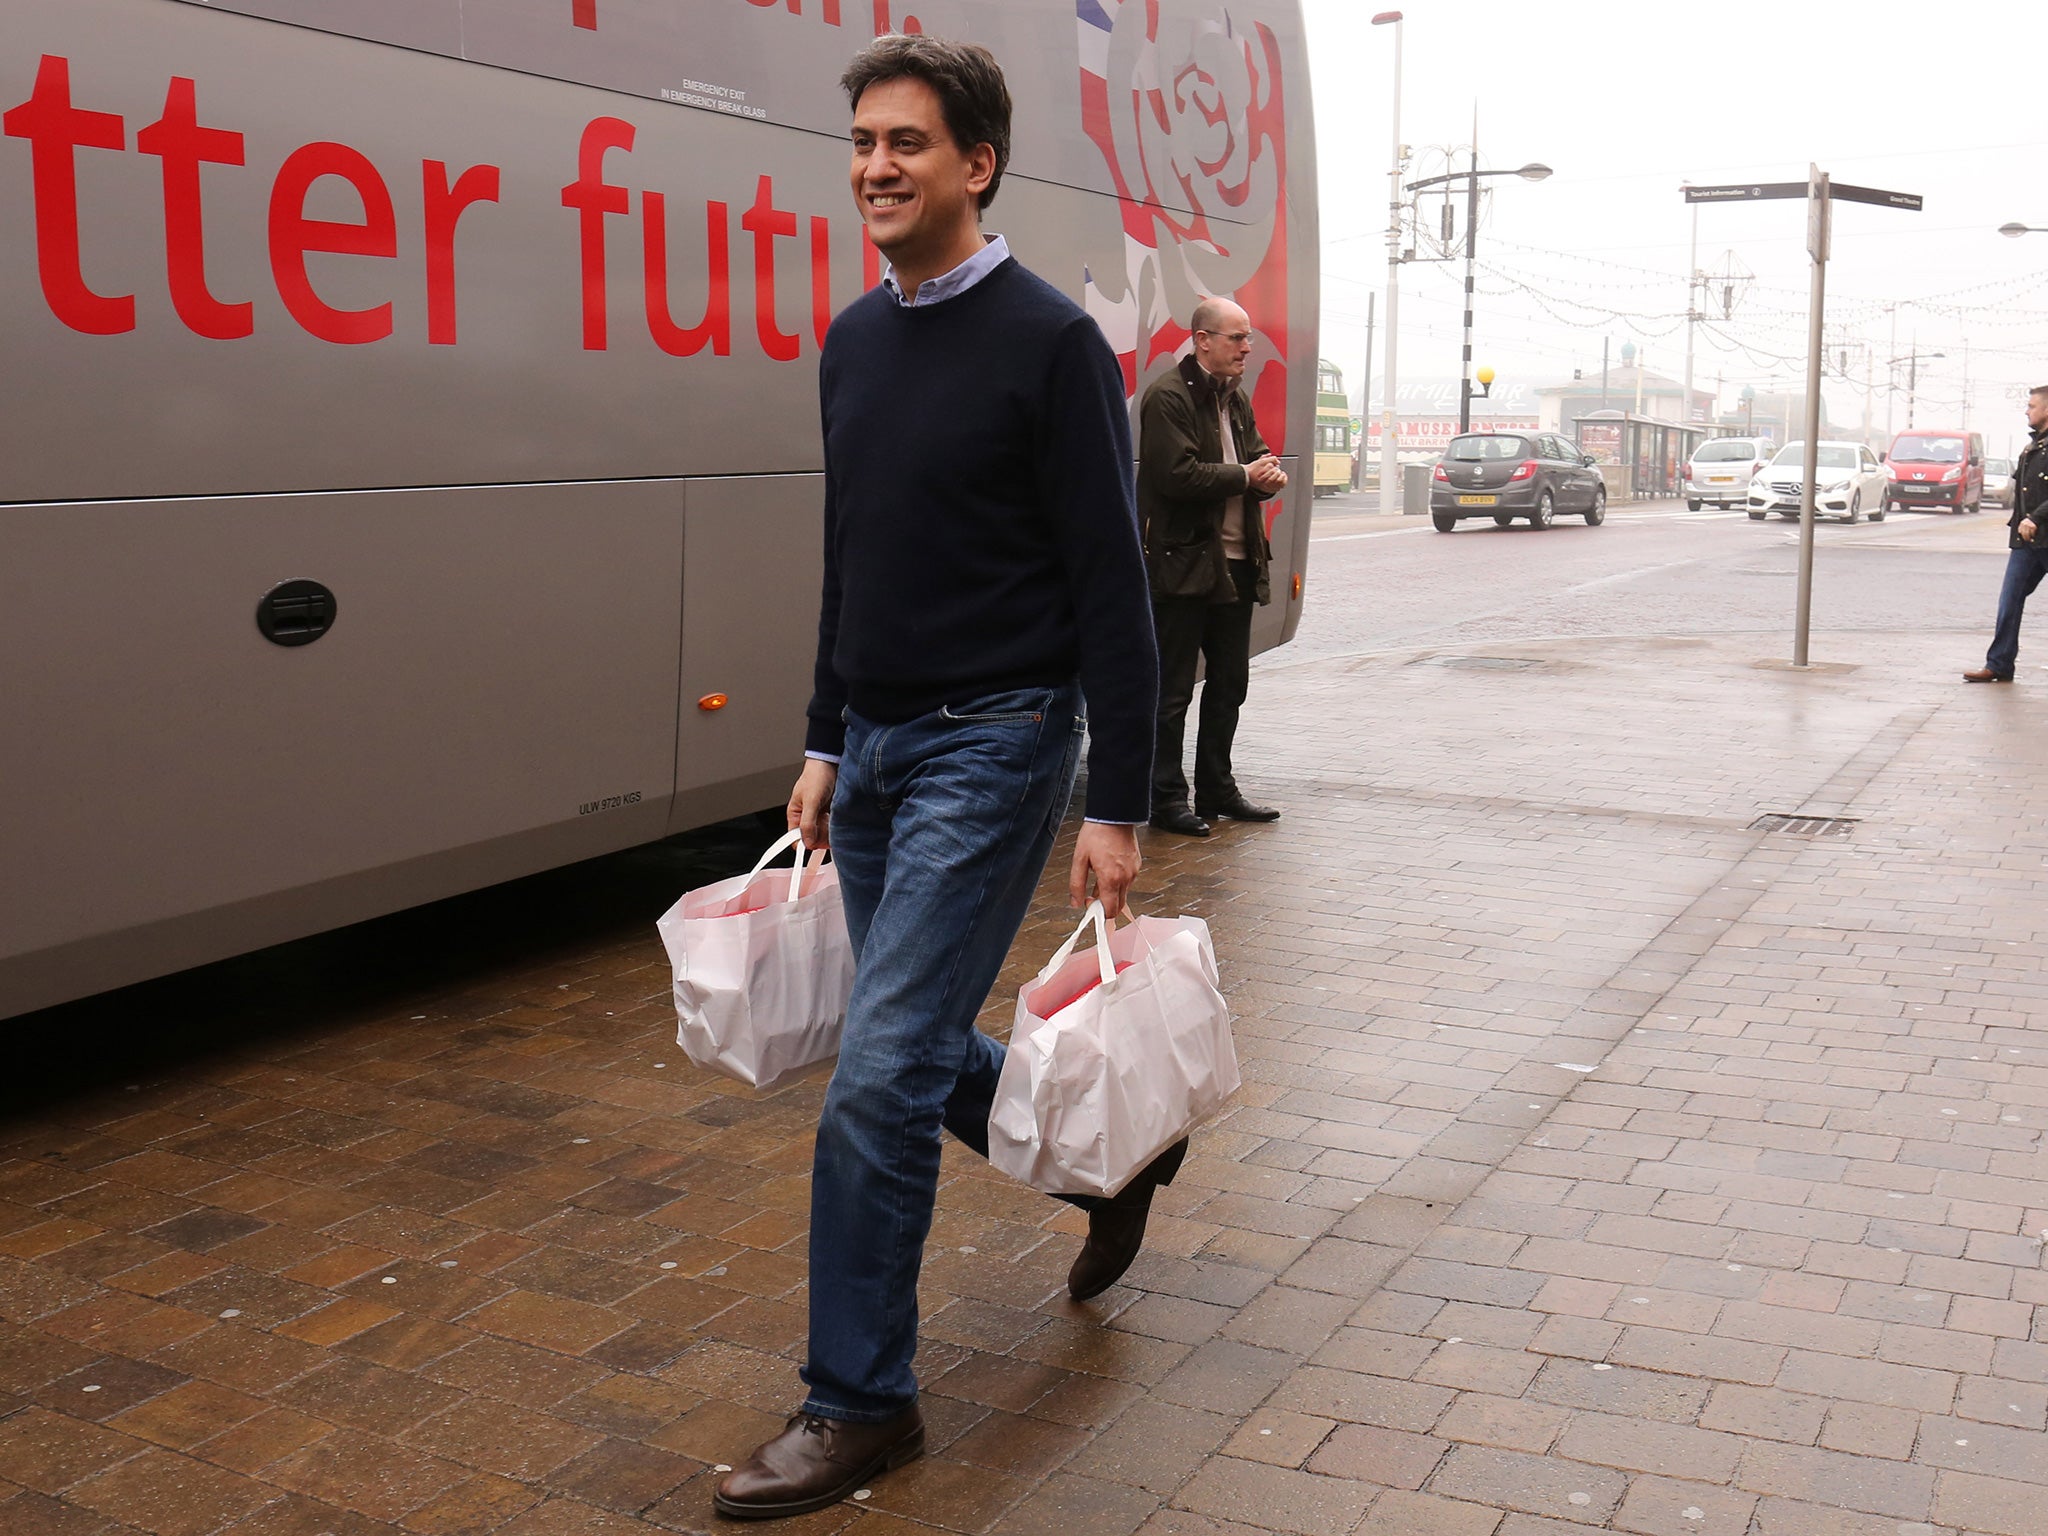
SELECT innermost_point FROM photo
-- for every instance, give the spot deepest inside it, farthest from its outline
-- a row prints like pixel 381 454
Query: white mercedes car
pixel 1851 483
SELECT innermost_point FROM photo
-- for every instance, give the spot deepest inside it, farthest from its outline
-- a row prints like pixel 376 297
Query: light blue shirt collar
pixel 950 285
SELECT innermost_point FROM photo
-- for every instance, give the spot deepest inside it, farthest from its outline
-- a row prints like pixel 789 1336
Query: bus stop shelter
pixel 1640 457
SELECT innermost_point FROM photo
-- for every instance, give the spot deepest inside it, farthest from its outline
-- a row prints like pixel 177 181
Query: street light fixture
pixel 2015 230
pixel 1533 171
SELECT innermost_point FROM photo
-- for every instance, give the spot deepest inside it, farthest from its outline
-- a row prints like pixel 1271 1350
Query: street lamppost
pixel 1471 177
pixel 1390 410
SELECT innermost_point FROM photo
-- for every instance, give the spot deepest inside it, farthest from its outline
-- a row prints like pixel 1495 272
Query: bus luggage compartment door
pixel 753 566
pixel 494 692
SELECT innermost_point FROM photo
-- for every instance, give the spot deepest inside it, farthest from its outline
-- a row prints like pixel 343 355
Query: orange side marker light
pixel 712 702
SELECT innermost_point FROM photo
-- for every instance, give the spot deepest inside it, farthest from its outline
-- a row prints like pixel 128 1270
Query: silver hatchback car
pixel 1720 469
pixel 1998 482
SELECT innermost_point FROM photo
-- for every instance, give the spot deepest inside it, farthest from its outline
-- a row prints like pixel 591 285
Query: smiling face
pixel 917 189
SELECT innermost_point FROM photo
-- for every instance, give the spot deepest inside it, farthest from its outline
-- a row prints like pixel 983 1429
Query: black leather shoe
pixel 1182 820
pixel 1116 1228
pixel 1239 809
pixel 816 1462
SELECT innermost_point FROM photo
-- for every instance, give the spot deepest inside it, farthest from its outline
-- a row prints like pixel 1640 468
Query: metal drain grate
pixel 1804 826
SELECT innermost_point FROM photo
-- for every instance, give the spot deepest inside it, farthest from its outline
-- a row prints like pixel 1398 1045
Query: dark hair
pixel 964 76
pixel 2039 389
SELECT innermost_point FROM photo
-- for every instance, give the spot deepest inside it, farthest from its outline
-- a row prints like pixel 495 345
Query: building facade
pixel 1630 387
pixel 1428 414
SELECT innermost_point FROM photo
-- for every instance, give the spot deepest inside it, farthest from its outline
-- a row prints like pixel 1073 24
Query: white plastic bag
pixel 763 969
pixel 1117 1053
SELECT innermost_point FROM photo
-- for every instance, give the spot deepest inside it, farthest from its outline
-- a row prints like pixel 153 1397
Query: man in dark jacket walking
pixel 1203 471
pixel 2028 561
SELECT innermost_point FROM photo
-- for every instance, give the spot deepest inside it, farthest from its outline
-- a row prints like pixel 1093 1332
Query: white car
pixel 1721 468
pixel 1851 483
pixel 1998 482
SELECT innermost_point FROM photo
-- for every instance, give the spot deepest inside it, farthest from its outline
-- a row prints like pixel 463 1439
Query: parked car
pixel 1721 468
pixel 1850 483
pixel 1942 471
pixel 1998 482
pixel 1506 475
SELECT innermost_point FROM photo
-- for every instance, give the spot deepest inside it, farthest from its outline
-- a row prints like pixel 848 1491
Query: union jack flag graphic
pixel 1188 112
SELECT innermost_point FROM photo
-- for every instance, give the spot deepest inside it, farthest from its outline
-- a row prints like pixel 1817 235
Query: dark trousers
pixel 2024 569
pixel 1220 636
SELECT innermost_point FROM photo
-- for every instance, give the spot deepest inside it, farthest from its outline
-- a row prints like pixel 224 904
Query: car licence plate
pixel 1478 501
pixel 1720 479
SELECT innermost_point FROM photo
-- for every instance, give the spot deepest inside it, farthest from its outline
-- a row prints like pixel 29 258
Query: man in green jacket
pixel 1203 471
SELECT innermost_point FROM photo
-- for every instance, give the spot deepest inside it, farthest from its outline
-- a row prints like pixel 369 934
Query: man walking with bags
pixel 983 576
pixel 2028 560
pixel 1203 471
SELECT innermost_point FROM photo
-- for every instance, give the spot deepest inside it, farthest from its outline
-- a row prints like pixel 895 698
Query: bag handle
pixel 792 838
pixel 1102 961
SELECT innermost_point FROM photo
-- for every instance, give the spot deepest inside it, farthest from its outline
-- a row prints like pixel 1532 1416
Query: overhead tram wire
pixel 2020 281
pixel 1769 319
pixel 1849 311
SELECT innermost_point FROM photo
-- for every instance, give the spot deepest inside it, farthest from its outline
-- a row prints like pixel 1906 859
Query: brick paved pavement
pixel 1601 1165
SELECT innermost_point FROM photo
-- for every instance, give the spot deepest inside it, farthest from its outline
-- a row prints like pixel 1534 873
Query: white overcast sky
pixel 1625 99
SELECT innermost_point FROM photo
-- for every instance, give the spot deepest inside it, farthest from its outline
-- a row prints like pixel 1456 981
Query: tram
pixel 409 476
pixel 1334 438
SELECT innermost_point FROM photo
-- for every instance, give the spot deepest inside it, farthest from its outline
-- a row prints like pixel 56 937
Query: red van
pixel 1935 470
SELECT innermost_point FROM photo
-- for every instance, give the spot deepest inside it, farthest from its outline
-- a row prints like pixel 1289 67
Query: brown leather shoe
pixel 816 1462
pixel 1986 675
pixel 1116 1228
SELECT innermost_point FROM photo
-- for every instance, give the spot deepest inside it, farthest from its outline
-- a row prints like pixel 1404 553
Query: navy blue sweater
pixel 980 528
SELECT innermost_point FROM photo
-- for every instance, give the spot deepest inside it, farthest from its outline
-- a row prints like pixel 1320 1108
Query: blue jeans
pixel 940 827
pixel 2023 571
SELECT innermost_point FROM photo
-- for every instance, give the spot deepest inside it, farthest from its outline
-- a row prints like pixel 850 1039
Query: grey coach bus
pixel 409 470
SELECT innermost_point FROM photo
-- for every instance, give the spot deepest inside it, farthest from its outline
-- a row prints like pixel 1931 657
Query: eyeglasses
pixel 1240 337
